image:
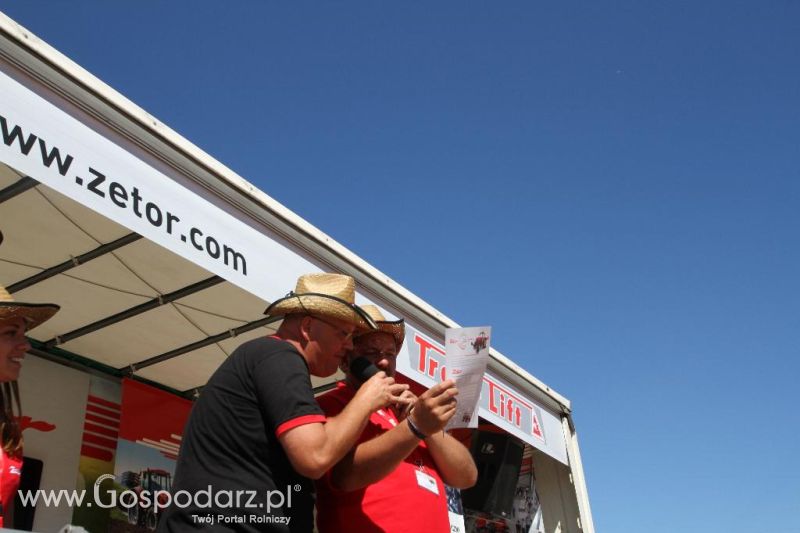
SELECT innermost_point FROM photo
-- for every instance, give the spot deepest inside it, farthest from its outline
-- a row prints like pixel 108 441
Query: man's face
pixel 329 340
pixel 379 347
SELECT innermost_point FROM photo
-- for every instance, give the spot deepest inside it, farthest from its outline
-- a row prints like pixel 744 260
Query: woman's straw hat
pixel 34 314
pixel 324 295
pixel 395 328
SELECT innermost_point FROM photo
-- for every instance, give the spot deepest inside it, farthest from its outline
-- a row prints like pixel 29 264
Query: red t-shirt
pixel 10 470
pixel 395 503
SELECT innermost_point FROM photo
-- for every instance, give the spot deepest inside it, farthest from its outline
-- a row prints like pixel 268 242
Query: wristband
pixel 415 430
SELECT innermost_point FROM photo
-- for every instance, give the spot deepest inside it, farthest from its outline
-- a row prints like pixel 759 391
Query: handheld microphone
pixel 363 369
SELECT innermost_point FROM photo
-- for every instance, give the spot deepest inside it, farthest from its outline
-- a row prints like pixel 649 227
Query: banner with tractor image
pixel 150 432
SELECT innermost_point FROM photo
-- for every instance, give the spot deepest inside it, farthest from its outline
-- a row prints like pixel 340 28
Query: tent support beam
pixel 71 360
pixel 74 262
pixel 202 343
pixel 17 188
pixel 135 310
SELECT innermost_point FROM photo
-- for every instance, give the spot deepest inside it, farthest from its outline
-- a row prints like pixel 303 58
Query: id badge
pixel 426 482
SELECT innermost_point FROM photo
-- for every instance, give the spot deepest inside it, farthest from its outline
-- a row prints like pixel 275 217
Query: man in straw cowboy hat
pixel 393 479
pixel 256 434
pixel 16 319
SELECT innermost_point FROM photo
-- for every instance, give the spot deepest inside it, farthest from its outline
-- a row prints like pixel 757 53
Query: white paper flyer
pixel 467 354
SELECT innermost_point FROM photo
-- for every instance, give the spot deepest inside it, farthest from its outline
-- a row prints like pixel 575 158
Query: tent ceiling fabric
pixel 43 228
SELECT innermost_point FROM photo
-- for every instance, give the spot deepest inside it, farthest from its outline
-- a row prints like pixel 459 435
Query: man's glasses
pixel 375 355
pixel 343 334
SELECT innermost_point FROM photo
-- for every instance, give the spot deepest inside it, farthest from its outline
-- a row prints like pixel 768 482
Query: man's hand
pixel 435 407
pixel 403 410
pixel 381 391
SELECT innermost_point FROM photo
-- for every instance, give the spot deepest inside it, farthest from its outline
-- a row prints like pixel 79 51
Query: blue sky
pixel 628 170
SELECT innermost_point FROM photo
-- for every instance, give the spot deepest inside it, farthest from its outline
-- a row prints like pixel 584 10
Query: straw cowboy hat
pixel 34 314
pixel 324 295
pixel 395 328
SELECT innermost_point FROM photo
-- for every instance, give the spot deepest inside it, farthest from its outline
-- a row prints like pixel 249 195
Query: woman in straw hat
pixel 16 318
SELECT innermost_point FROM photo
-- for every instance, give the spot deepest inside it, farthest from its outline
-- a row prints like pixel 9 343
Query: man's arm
pixel 314 448
pixel 455 463
pixel 373 460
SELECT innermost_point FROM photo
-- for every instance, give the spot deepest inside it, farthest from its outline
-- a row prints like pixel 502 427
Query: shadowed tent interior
pixel 129 306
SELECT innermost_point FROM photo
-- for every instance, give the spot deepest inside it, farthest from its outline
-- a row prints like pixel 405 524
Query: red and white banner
pixel 40 139
pixel 423 360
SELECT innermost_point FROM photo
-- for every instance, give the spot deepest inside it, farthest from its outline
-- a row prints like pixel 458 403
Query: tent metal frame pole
pixel 74 262
pixel 202 343
pixel 68 359
pixel 17 188
pixel 135 310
